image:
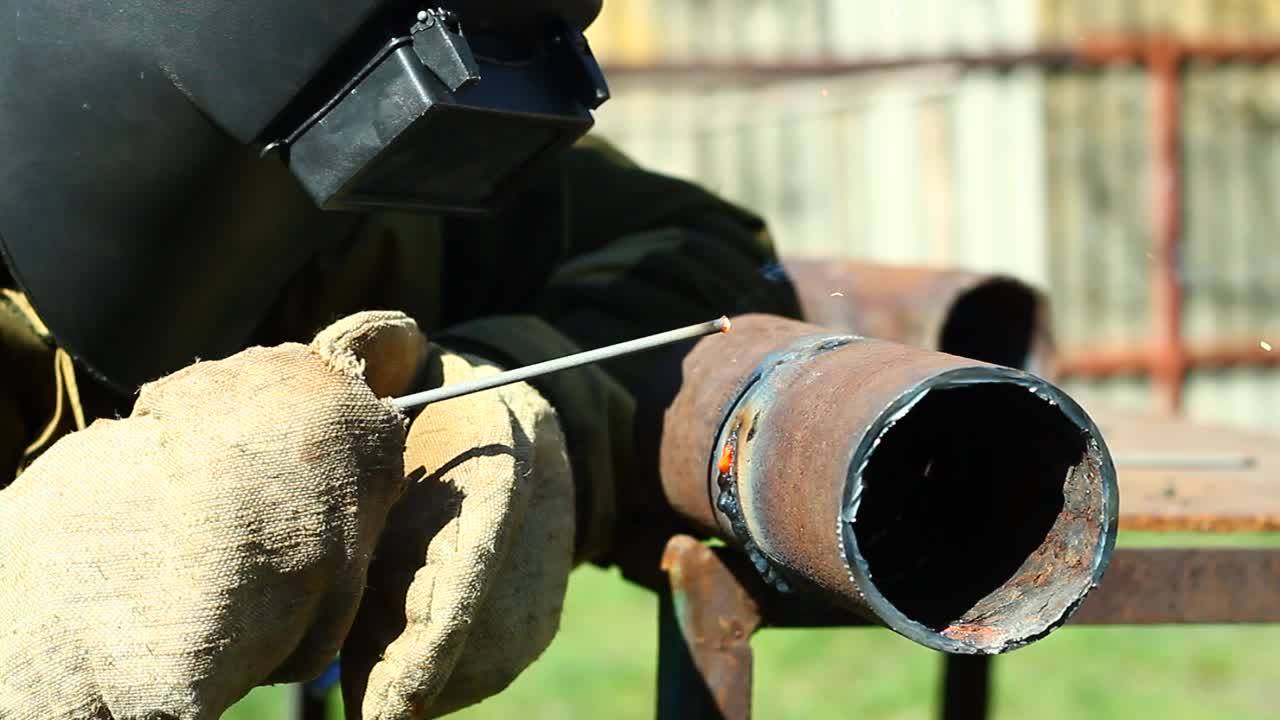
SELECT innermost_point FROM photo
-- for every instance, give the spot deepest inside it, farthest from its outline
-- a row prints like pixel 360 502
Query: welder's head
pixel 123 123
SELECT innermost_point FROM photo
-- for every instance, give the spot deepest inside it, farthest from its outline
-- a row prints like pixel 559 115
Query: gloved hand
pixel 469 578
pixel 162 565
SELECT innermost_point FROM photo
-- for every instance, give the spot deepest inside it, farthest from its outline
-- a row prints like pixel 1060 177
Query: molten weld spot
pixel 726 460
pixel 724 328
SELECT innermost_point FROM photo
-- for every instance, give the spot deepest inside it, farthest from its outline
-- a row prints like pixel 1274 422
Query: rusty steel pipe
pixel 994 318
pixel 967 506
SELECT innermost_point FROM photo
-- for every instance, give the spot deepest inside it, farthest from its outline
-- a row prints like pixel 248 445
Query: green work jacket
pixel 596 250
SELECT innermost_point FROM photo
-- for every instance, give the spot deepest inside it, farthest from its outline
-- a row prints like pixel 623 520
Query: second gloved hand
pixel 468 580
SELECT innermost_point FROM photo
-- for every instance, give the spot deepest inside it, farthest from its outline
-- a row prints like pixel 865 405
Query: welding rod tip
pixel 719 325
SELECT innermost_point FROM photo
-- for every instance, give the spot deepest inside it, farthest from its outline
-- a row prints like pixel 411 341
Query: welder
pixel 228 229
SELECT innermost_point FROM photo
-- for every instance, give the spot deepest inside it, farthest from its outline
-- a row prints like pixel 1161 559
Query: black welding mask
pixel 131 131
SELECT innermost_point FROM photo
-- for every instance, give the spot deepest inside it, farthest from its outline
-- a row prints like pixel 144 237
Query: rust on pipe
pixel 966 506
pixel 994 318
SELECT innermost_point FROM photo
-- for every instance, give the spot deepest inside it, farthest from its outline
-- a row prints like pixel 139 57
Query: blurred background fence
pixel 1016 136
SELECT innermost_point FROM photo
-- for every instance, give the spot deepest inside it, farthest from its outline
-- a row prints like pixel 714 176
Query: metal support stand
pixel 311 706
pixel 711 605
pixel 966 687
pixel 706 620
pixel 310 699
pixel 713 601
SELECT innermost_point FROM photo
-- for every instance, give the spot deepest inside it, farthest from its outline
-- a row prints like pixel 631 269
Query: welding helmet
pixel 129 127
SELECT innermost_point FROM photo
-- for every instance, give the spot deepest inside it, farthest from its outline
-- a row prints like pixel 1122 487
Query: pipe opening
pixel 980 514
pixel 994 322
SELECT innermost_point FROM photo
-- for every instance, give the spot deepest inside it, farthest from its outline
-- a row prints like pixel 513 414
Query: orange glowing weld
pixel 727 324
pixel 726 459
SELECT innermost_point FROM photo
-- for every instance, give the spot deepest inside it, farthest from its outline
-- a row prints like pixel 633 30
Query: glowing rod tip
pixel 725 324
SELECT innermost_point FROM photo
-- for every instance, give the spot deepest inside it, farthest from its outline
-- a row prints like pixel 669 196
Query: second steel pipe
pixel 967 506
pixel 994 318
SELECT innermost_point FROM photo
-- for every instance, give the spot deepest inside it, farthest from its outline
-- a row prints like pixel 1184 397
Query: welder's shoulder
pixel 594 148
pixel 607 189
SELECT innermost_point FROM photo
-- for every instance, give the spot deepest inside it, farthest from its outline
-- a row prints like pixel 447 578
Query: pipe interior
pixel 957 497
pixel 993 322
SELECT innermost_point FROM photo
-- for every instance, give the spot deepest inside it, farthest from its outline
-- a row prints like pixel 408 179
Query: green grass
pixel 602 666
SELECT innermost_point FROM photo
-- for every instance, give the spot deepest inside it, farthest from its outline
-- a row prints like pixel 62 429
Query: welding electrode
pixel 569 361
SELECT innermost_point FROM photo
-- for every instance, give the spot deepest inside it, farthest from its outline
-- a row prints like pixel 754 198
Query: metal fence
pixel 906 166
pixel 650 31
pixel 994 136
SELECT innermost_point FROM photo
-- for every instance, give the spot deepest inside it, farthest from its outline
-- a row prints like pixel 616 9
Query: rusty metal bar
pixel 1202 586
pixel 1090 53
pixel 1170 367
pixel 706 621
pixel 1098 362
pixel 994 318
pixel 788 70
pixel 1146 586
pixel 966 506
pixel 1142 48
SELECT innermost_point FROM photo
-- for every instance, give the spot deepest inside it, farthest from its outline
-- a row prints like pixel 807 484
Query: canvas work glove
pixel 162 565
pixel 469 578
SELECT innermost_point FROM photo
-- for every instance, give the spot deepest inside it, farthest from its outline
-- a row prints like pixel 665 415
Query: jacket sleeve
pixel 640 253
